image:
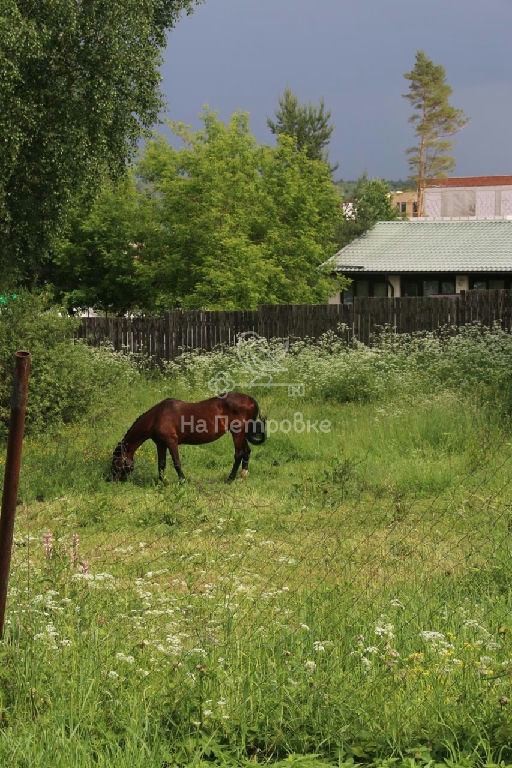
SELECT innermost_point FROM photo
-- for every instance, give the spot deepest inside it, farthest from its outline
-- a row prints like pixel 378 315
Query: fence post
pixel 461 309
pixel 12 473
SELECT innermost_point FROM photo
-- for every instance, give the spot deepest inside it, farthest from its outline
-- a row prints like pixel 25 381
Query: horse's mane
pixel 139 418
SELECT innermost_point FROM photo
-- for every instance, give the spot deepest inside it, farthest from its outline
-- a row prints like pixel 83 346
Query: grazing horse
pixel 173 422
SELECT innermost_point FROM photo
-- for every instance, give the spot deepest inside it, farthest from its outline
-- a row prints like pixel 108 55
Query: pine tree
pixel 434 120
pixel 308 125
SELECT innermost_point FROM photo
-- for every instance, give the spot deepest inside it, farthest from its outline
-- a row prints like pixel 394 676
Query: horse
pixel 174 422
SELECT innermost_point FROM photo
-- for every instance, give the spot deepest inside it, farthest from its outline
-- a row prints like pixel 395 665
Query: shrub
pixel 476 361
pixel 67 377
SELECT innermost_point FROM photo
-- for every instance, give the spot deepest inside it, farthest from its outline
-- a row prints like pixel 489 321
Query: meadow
pixel 347 603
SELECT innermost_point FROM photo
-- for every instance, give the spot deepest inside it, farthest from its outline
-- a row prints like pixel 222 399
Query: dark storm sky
pixel 241 54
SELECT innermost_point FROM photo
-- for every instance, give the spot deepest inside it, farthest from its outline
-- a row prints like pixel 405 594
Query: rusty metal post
pixel 12 473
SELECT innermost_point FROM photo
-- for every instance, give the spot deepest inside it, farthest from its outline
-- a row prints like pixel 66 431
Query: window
pixel 380 289
pixel 347 296
pixel 484 283
pixel 447 287
pixel 458 202
pixel 362 288
pixel 410 288
pixel 365 288
pixel 430 287
pixel 403 207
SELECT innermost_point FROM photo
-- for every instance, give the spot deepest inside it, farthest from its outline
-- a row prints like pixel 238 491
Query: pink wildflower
pixel 74 550
pixel 48 544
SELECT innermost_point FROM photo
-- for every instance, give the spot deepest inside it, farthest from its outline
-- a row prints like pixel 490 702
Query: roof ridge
pixel 455 220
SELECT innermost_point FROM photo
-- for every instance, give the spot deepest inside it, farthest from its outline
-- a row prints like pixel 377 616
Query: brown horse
pixel 174 422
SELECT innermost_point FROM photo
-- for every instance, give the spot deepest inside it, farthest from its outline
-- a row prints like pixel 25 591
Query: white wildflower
pixel 200 651
pixel 123 657
pixel 385 631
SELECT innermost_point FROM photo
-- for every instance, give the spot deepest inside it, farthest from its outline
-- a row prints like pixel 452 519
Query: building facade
pixel 471 197
pixel 426 258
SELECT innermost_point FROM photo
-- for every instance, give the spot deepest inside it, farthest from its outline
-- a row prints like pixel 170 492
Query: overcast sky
pixel 241 54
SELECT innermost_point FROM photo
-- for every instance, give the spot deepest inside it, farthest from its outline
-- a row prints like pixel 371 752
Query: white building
pixel 470 197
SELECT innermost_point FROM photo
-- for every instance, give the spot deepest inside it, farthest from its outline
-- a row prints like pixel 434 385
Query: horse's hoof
pixel 244 474
pixel 230 480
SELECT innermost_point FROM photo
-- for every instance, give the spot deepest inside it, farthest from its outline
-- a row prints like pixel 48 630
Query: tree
pixel 79 84
pixel 434 120
pixel 236 223
pixel 371 202
pixel 96 262
pixel 308 125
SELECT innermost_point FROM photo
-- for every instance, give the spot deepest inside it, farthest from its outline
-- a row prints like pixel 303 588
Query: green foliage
pixel 307 125
pixel 66 378
pixel 476 361
pixel 236 224
pixel 370 203
pixel 434 120
pixel 95 264
pixel 79 85
pixel 347 186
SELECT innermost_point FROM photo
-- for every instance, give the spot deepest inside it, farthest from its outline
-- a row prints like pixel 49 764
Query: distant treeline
pixel 347 187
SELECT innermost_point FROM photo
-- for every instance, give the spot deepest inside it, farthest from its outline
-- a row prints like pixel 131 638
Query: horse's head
pixel 122 466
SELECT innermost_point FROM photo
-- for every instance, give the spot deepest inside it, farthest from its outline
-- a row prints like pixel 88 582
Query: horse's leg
pixel 161 449
pixel 238 440
pixel 173 450
pixel 245 459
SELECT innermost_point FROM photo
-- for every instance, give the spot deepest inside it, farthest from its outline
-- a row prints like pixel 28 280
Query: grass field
pixel 349 602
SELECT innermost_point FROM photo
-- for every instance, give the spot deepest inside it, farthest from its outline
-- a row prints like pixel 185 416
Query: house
pixel 405 202
pixel 473 197
pixel 419 257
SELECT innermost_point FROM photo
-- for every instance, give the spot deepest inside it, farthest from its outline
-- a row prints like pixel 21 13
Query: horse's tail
pixel 256 427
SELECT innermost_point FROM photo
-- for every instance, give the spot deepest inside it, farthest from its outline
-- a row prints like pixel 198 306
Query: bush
pixel 67 377
pixel 476 361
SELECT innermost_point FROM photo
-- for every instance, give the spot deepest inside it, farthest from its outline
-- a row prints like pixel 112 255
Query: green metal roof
pixel 429 246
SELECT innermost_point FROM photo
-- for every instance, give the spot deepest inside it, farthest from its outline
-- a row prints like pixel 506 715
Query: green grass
pixel 349 601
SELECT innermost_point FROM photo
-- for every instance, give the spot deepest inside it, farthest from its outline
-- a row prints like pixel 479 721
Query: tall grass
pixel 348 603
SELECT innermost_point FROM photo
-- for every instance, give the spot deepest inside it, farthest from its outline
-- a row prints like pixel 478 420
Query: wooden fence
pixel 177 330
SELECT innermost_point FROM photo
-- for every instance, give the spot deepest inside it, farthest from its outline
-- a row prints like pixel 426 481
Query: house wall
pixel 405 203
pixel 461 283
pixel 422 284
pixel 468 202
pixel 394 281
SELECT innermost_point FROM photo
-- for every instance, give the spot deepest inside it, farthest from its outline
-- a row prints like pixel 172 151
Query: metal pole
pixel 12 472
